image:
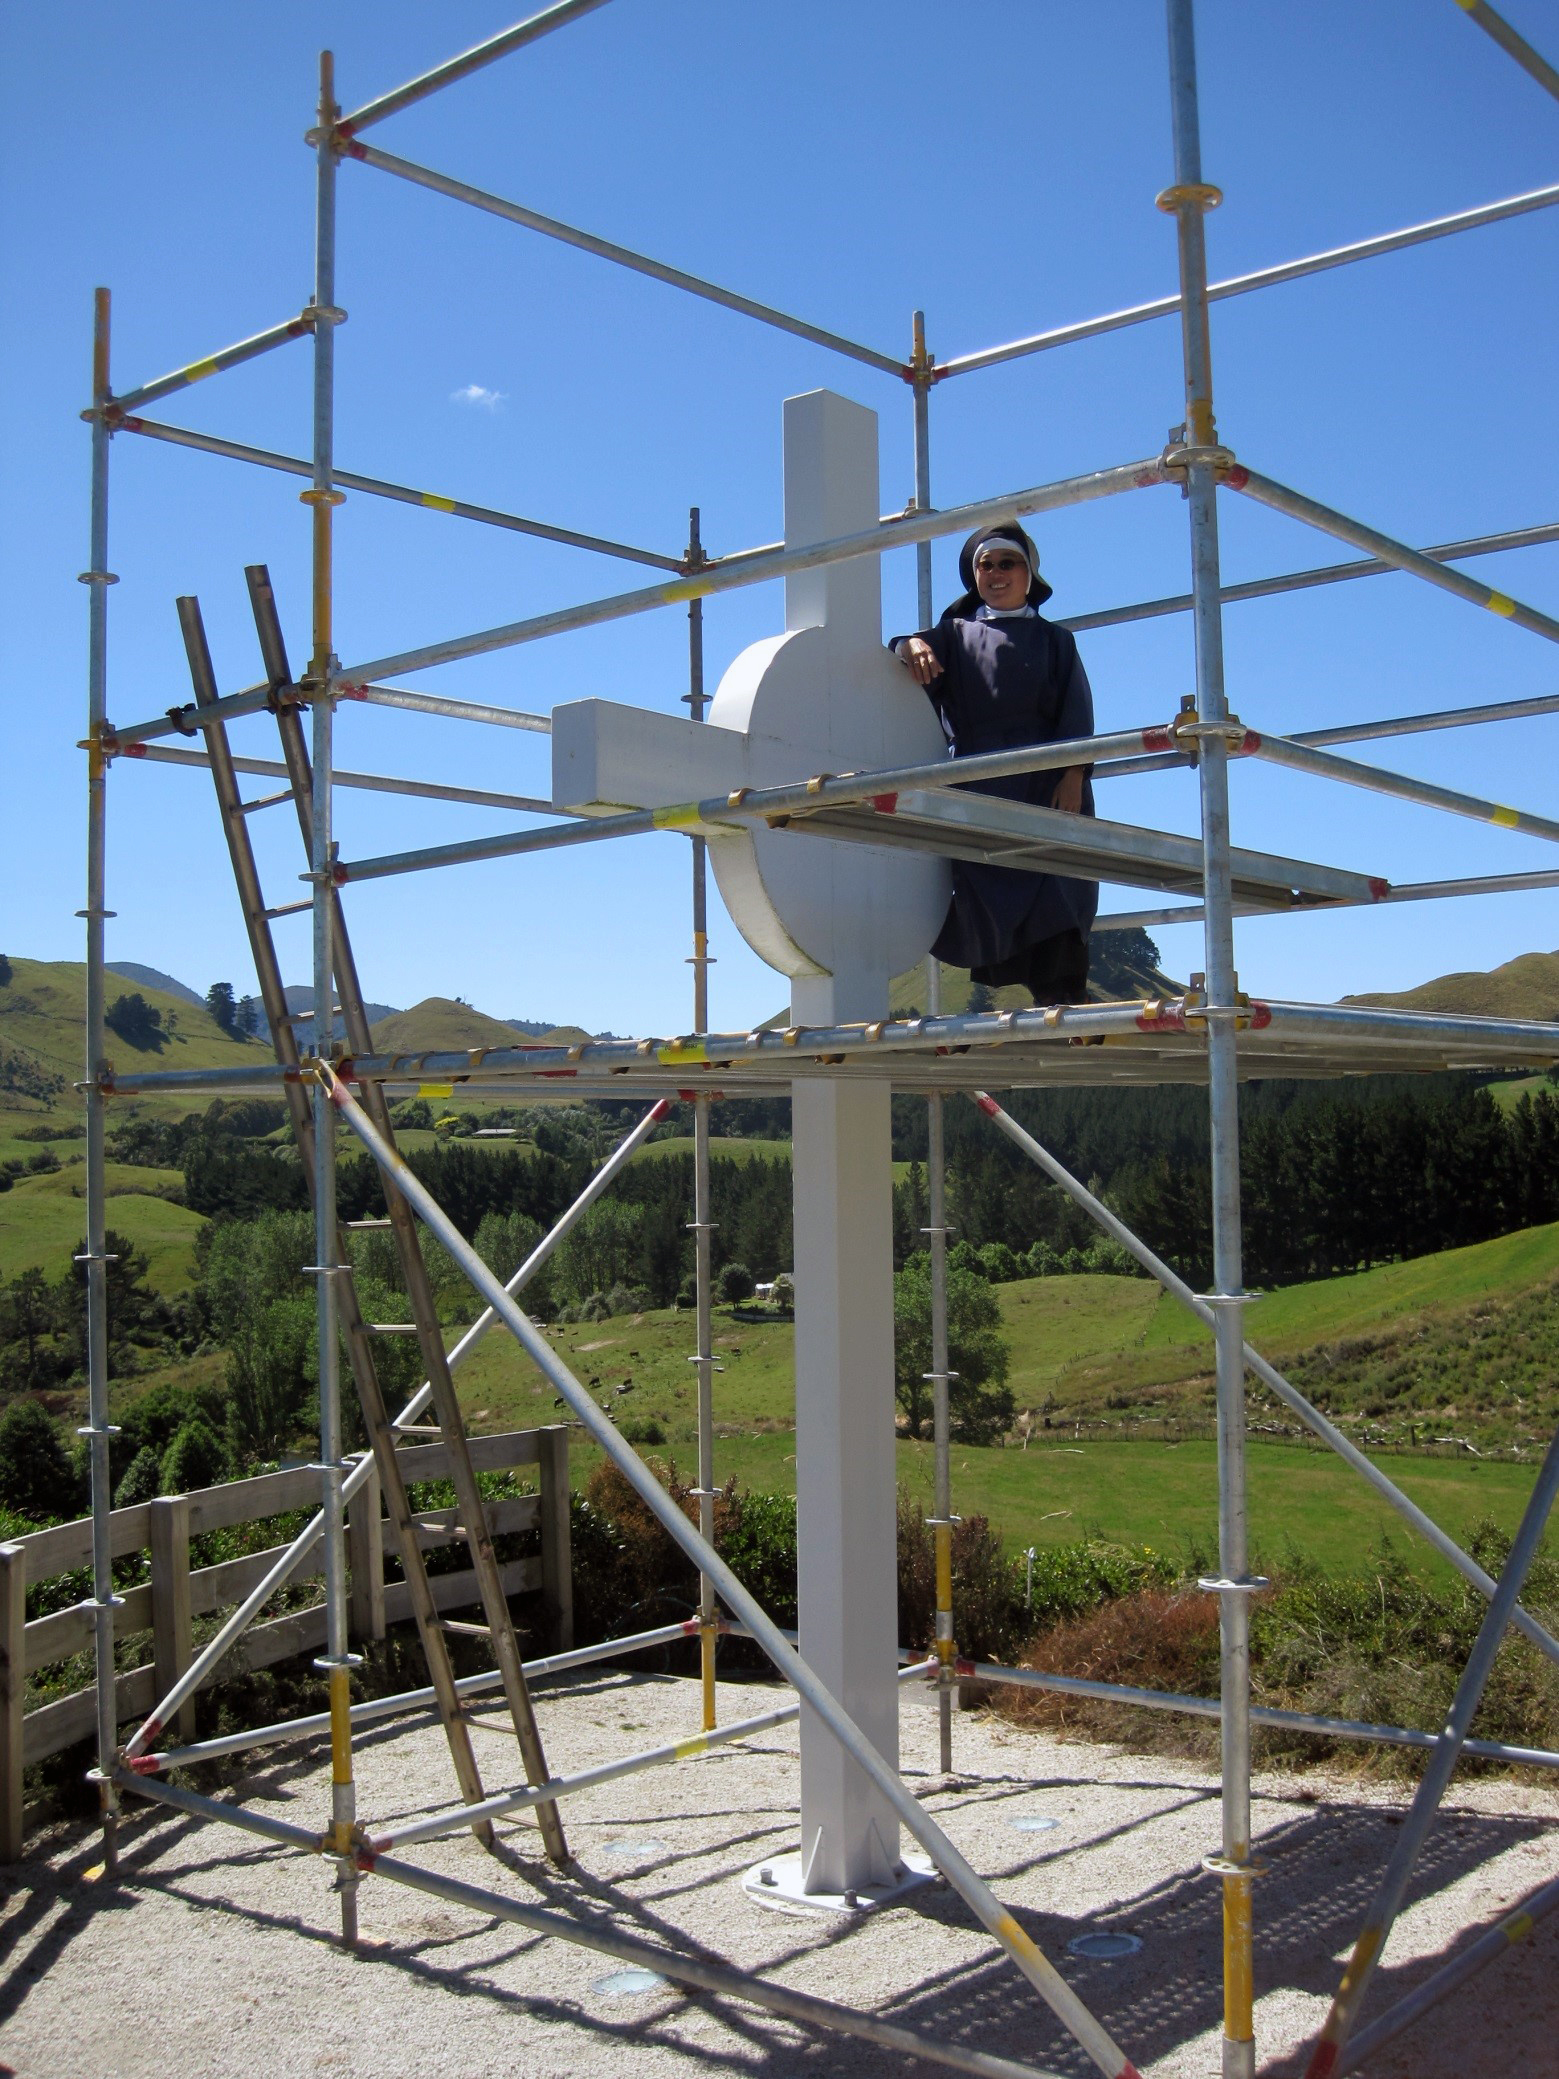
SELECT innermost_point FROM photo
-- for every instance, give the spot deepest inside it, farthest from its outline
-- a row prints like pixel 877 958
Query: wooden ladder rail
pixel 446 1405
pixel 376 1416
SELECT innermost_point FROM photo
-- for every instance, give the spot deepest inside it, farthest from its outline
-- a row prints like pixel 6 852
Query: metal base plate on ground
pixel 776 1883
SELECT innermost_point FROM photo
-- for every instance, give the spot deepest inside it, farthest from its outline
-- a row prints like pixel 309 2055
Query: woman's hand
pixel 1069 791
pixel 919 660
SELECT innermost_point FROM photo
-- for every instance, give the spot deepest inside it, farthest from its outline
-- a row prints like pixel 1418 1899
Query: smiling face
pixel 1001 576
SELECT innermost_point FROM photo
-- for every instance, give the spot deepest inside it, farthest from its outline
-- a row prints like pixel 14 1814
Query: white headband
pixel 1002 541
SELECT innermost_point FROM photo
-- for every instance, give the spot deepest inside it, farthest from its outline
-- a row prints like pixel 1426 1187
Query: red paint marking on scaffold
pixel 884 804
pixel 1169 1019
pixel 663 1105
pixel 368 1853
pixel 963 1667
pixel 1379 890
pixel 151 1729
pixel 1144 477
pixel 146 1764
pixel 988 1105
pixel 1238 477
pixel 1250 744
pixel 352 149
pixel 1157 740
pixel 349 691
pixel 1324 2062
pixel 1260 1016
pixel 1128 2071
pixel 553 1073
pixel 133 751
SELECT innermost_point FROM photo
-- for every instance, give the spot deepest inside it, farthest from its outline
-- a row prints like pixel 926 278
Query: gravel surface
pixel 213 1954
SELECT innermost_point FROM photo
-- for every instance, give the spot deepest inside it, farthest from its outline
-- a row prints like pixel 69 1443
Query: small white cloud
pixel 479 395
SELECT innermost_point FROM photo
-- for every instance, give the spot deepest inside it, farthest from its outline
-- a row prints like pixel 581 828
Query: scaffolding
pixel 1213 1032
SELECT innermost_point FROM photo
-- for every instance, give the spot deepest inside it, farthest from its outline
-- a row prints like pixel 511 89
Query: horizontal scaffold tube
pixel 1209 1707
pixel 786 1048
pixel 1366 732
pixel 213 364
pixel 757 570
pixel 1268 1374
pixel 1303 580
pixel 760 804
pixel 454 710
pixel 998 1921
pixel 479 55
pixel 437 1824
pixel 401 494
pixel 1403 891
pixel 1262 278
pixel 623 256
pixel 1497 1941
pixel 409 1700
pixel 368 782
pixel 289 1561
pixel 600 1935
pixel 1267 491
pixel 1326 765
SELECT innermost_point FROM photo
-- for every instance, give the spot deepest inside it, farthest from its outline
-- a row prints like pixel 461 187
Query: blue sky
pixel 996 167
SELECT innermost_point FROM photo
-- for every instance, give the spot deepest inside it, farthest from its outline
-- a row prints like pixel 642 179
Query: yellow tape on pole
pixel 434 503
pixel 1507 818
pixel 1500 603
pixel 199 370
pixel 676 1051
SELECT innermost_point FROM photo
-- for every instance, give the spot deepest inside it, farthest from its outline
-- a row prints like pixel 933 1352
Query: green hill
pixel 42 1016
pixel 1526 987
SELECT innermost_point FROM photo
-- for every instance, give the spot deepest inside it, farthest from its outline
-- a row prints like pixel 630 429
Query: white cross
pixel 824 697
pixel 841 920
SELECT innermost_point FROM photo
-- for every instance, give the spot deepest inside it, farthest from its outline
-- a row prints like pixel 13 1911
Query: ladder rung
pixel 263 801
pixel 303 1017
pixel 365 1226
pixel 437 1527
pixel 416 1429
pixel 470 1631
pixel 391 1327
pixel 289 909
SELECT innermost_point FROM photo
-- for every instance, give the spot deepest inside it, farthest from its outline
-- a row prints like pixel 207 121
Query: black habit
pixel 1007 682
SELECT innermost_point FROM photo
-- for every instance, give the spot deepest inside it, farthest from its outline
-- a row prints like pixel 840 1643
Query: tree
pixel 135 1021
pixel 736 1283
pixel 197 1457
pixel 223 1008
pixel 979 1399
pixel 36 1476
pixel 5 972
pixel 248 1018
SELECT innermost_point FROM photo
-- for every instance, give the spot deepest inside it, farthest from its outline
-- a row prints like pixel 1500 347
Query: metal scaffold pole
pixel 704 1356
pixel 322 498
pixel 936 1164
pixel 97 578
pixel 1188 200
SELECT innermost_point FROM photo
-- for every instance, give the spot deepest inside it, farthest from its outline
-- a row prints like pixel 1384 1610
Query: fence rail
pixel 176 1594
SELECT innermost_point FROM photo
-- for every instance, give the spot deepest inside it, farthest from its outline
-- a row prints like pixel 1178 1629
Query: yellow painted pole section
pixel 341 1751
pixel 945 1647
pixel 1239 1999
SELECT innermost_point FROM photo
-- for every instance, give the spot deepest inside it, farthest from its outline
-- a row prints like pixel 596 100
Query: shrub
pixel 627 1299
pixel 645 1430
pixel 735 1284
pixel 142 1481
pixel 36 1475
pixel 991 1621
pixel 999 1264
pixel 197 1457
pixel 135 1021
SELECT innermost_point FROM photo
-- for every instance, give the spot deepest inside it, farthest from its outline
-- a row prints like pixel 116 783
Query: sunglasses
pixel 1001 563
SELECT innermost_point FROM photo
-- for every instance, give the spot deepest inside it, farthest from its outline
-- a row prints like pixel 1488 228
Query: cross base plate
pixel 776 1883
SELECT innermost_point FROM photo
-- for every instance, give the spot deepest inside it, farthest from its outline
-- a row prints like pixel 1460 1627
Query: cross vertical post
pixel 842 1147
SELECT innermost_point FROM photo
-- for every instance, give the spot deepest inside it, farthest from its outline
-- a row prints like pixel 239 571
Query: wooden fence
pixel 175 1595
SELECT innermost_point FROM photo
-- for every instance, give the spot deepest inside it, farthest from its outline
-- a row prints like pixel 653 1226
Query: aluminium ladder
pixel 383 1433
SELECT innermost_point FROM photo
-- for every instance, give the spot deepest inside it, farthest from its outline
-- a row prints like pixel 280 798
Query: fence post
pixel 13 1685
pixel 171 1642
pixel 365 1558
pixel 557 1564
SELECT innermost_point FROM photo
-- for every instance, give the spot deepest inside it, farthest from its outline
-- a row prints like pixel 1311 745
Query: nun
pixel 1001 677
